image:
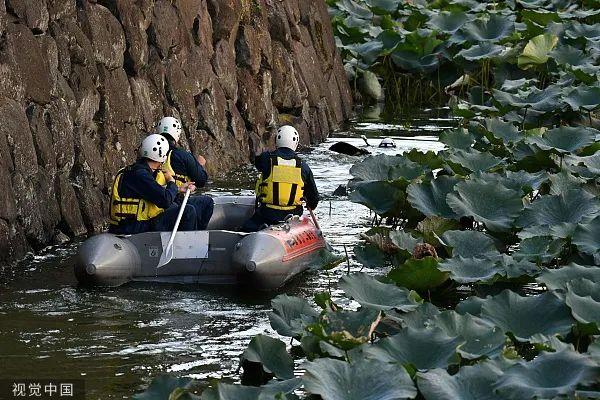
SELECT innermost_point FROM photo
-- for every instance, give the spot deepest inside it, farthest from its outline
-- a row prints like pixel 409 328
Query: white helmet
pixel 287 136
pixel 155 147
pixel 169 126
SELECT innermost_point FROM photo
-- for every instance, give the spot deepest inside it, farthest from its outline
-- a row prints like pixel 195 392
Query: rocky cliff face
pixel 83 81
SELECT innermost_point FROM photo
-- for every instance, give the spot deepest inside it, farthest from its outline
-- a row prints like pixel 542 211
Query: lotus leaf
pixel 290 314
pixel 354 9
pixel 347 329
pixel 513 268
pixel 568 55
pixel 448 22
pixel 428 160
pixel 541 100
pixel 384 198
pixel 411 61
pixel 422 349
pixel 505 131
pixel 537 51
pixel 361 380
pixel 565 139
pixel 457 138
pixel 525 317
pixel 510 85
pixel 272 391
pixel 481 51
pixel 548 376
pixel 419 275
pixel 431 228
pixel 578 30
pixel 592 163
pixel 271 353
pixel 383 6
pixel 557 279
pixel 470 270
pixel 469 243
pixel 162 387
pixel 385 168
pixel 472 160
pixel 521 181
pixel 538 248
pixel 563 182
pixel 404 241
pixel 587 237
pixel 571 206
pixel 494 28
pixel 470 383
pixel 471 305
pixel 430 197
pixel 369 292
pixel 583 297
pixel 492 204
pixel 419 318
pixel 584 97
pixel 481 337
pixel 370 256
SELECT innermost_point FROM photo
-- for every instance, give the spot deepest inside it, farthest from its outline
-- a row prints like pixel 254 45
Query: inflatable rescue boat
pixel 263 260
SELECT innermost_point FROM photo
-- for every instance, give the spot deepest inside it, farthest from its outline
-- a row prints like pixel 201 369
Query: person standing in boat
pixel 186 168
pixel 285 181
pixel 143 196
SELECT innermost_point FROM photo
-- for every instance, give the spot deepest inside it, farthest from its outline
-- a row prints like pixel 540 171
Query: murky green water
pixel 118 339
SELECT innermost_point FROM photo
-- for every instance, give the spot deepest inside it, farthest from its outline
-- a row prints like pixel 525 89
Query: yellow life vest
pixel 283 189
pixel 180 179
pixel 130 208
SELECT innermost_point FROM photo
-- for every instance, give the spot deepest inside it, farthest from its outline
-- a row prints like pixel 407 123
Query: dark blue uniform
pixel 270 216
pixel 139 181
pixel 184 163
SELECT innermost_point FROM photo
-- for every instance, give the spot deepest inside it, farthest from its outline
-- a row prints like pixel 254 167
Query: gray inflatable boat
pixel 263 260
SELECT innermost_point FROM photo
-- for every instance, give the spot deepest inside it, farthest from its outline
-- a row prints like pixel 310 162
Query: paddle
pixel 167 254
pixel 314 218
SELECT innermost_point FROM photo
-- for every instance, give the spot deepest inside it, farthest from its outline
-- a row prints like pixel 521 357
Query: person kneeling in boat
pixel 143 196
pixel 285 180
pixel 185 168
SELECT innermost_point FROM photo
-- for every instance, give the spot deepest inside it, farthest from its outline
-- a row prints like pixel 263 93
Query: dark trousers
pixel 162 223
pixel 204 206
pixel 265 217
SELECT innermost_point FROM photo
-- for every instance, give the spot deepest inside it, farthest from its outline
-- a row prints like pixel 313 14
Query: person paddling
pixel 186 168
pixel 143 196
pixel 285 181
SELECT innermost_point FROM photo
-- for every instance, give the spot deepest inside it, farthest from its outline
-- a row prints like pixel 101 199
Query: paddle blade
pixel 166 257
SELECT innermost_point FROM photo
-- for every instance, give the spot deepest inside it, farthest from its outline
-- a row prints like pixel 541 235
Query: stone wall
pixel 83 81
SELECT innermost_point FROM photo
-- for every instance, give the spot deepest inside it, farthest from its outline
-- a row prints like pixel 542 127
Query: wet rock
pixel 59 238
pixel 341 190
pixel 348 149
pixel 82 82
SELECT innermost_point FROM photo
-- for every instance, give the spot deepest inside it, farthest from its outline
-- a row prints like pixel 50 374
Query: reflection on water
pixel 118 339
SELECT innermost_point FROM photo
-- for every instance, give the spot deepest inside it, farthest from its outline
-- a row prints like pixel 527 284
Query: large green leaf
pixel 470 270
pixel 571 207
pixel 564 181
pixel 545 100
pixel 583 297
pixel 383 6
pixel 520 181
pixel 587 237
pixel 481 51
pixel 290 315
pixel 370 256
pixel 592 163
pixel 469 243
pixel 418 275
pixel 470 383
pixel 494 205
pixel 472 160
pixel 360 380
pixel 346 329
pixel 431 228
pixel 557 279
pixel 537 51
pixel 579 30
pixel 429 197
pixel 422 349
pixel 548 376
pixel 275 390
pixel 385 168
pixel 565 139
pixel 513 268
pixel 272 354
pixel 494 28
pixel 584 97
pixel 525 317
pixel 369 292
pixel 448 22
pixel 540 249
pixel 457 138
pixel 384 198
pixel 503 130
pixel 481 337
